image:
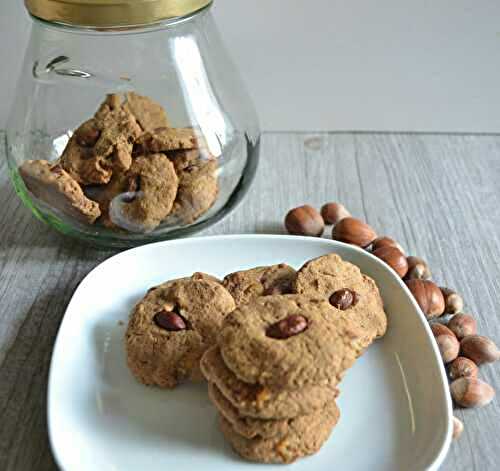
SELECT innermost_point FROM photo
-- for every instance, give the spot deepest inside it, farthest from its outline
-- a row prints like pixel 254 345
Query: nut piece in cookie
pixel 247 285
pixel 149 114
pixel 315 345
pixel 171 327
pixel 254 400
pixel 55 187
pixel 304 436
pixel 139 199
pixel 102 145
pixel 347 289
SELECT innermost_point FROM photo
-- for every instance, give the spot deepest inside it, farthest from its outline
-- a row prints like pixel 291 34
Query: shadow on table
pixel 23 378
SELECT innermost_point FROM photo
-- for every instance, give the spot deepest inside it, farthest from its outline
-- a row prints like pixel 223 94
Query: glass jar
pixel 130 123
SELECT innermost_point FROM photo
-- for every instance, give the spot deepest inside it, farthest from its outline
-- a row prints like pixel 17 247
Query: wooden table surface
pixel 438 195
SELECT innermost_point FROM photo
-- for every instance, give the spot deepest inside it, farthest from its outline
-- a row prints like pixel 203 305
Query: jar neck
pixel 169 23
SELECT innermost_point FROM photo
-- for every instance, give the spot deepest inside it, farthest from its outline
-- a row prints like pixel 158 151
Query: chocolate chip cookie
pixel 347 289
pixel 262 402
pixel 247 285
pixel 139 199
pixel 172 326
pixel 304 436
pixel 51 184
pixel 289 341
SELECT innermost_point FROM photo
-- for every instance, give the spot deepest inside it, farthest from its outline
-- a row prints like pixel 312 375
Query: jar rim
pixel 115 15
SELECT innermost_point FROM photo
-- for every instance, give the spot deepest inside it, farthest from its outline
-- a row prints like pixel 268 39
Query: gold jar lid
pixel 112 13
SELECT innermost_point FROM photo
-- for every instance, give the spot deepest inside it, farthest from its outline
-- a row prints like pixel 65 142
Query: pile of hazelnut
pixel 461 348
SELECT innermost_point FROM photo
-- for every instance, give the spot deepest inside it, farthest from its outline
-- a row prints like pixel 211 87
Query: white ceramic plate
pixel 395 408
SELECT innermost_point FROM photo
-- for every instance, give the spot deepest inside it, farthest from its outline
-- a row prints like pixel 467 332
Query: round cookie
pixel 327 274
pixel 248 427
pixel 323 345
pixel 305 436
pixel 247 285
pixel 172 326
pixel 198 190
pixel 260 402
pixel 139 199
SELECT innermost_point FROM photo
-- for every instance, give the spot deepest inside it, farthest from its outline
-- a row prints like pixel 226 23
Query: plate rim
pixel 446 442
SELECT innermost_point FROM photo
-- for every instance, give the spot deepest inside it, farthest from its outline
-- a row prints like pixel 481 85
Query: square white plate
pixel 394 402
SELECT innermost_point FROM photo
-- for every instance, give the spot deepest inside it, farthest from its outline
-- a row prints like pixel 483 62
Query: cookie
pixel 102 145
pixel 197 192
pixel 165 139
pixel 172 326
pixel 289 341
pixel 247 285
pixel 248 427
pixel 139 199
pixel 328 274
pixel 261 402
pixel 149 114
pixel 52 185
pixel 305 435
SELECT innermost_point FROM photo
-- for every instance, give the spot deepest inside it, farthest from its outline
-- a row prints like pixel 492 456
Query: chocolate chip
pixel 344 299
pixel 170 321
pixel 287 327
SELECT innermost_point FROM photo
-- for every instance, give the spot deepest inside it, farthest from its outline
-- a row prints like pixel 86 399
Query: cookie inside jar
pixel 127 169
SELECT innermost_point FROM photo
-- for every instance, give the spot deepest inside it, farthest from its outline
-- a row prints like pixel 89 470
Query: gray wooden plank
pixel 438 195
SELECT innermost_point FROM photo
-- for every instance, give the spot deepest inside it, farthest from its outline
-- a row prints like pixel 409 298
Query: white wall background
pixel 345 65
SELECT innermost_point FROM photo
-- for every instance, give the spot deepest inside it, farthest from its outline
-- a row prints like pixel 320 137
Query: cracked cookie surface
pixel 163 357
pixel 304 436
pixel 246 285
pixel 255 400
pixel 325 275
pixel 51 184
pixel 102 145
pixel 141 198
pixel 318 354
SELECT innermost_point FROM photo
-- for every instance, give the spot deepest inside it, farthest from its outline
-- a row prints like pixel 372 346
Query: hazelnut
pixel 288 327
pixel 87 134
pixel 462 367
pixel 304 220
pixel 428 296
pixel 458 428
pixel 448 344
pixel 463 325
pixel 353 231
pixel 386 242
pixel 440 329
pixel 471 392
pixel 479 349
pixel 170 321
pixel 344 299
pixel 417 269
pixel 394 258
pixel 334 212
pixel 452 300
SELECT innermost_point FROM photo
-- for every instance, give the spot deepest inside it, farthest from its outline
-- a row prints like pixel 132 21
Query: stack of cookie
pixel 274 374
pixel 274 345
pixel 128 169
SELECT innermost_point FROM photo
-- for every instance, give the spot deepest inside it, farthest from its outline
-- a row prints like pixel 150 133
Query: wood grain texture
pixel 438 195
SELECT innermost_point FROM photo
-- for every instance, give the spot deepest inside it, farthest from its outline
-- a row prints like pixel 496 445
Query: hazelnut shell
pixel 353 231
